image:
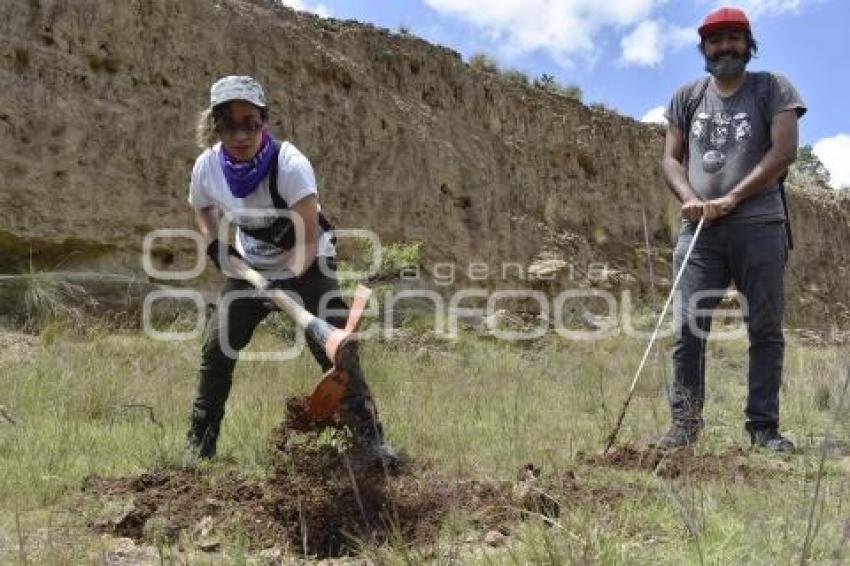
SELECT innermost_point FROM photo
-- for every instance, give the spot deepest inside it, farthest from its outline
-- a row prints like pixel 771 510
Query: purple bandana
pixel 243 177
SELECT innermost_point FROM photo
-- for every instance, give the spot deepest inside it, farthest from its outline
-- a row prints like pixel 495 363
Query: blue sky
pixel 632 54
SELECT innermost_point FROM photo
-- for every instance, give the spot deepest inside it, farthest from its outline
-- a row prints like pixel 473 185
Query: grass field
pixel 115 403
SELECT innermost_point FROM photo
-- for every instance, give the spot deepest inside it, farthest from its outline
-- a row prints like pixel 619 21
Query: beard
pixel 727 65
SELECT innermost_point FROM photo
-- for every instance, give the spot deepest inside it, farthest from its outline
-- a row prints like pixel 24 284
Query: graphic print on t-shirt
pixel 719 135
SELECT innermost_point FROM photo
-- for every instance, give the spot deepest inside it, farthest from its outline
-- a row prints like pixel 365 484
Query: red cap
pixel 724 18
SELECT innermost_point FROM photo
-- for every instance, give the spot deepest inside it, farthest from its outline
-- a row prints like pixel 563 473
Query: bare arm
pixel 675 175
pixel 782 153
pixel 206 219
pixel 305 213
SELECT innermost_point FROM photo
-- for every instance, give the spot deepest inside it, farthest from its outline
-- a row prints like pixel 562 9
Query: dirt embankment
pixel 100 98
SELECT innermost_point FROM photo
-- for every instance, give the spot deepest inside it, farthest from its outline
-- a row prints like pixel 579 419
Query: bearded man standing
pixel 731 137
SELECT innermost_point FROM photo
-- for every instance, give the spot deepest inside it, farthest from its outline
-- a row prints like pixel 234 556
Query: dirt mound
pixel 315 503
pixel 298 419
pixel 320 498
pixel 680 463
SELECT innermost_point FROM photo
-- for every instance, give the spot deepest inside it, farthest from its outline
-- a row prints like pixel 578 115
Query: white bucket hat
pixel 237 88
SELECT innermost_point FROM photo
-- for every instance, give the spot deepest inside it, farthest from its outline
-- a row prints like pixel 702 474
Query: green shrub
pixel 395 258
pixel 484 63
pixel 42 298
pixel 398 256
pixel 516 76
pixel 809 167
pixel 550 84
pixel 602 107
pixel 569 91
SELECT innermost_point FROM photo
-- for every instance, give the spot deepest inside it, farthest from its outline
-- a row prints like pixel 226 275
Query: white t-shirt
pixel 295 181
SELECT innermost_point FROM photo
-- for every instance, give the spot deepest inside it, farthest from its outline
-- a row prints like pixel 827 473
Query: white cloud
pixel 655 116
pixel 681 37
pixel 565 29
pixel 834 153
pixel 756 8
pixel 643 45
pixel 648 42
pixel 318 9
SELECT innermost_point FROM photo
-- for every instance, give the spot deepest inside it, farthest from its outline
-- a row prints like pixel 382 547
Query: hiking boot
pixel 368 435
pixel 378 449
pixel 369 438
pixel 768 437
pixel 202 435
pixel 678 435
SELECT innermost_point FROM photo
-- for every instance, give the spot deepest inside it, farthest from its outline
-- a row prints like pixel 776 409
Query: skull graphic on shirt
pixel 719 134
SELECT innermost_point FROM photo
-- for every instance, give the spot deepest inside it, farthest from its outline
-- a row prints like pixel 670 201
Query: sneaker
pixel 678 435
pixel 768 437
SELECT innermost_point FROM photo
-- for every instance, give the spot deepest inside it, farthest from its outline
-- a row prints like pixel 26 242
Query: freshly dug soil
pixel 319 499
pixel 297 419
pixel 681 463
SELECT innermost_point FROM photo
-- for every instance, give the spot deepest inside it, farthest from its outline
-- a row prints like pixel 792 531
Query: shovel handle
pixel 340 345
pixel 286 303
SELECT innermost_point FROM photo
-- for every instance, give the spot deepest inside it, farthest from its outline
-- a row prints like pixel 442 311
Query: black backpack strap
pixel 690 109
pixel 280 203
pixel 276 198
pixel 326 225
pixel 765 82
pixel 788 232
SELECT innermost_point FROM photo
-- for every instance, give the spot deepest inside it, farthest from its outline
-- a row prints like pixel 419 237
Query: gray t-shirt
pixel 730 135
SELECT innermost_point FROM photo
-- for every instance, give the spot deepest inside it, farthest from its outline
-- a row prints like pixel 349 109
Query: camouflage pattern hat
pixel 237 88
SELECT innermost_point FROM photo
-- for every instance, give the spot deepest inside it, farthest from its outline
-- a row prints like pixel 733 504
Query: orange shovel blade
pixel 327 396
pixel 326 399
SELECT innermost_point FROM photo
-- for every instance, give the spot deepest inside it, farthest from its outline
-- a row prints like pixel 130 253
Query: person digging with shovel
pixel 268 189
pixel 731 136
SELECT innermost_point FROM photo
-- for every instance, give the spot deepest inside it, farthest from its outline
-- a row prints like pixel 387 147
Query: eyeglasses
pixel 230 129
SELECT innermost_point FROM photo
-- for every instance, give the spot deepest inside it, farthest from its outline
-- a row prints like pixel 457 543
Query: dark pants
pixel 753 257
pixel 242 318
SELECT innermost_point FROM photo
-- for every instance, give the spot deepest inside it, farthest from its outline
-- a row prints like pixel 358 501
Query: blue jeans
pixel 752 256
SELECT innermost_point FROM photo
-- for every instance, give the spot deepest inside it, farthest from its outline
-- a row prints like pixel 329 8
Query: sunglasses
pixel 230 129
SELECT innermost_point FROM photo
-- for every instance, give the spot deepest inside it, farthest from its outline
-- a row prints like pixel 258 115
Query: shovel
pixel 340 345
